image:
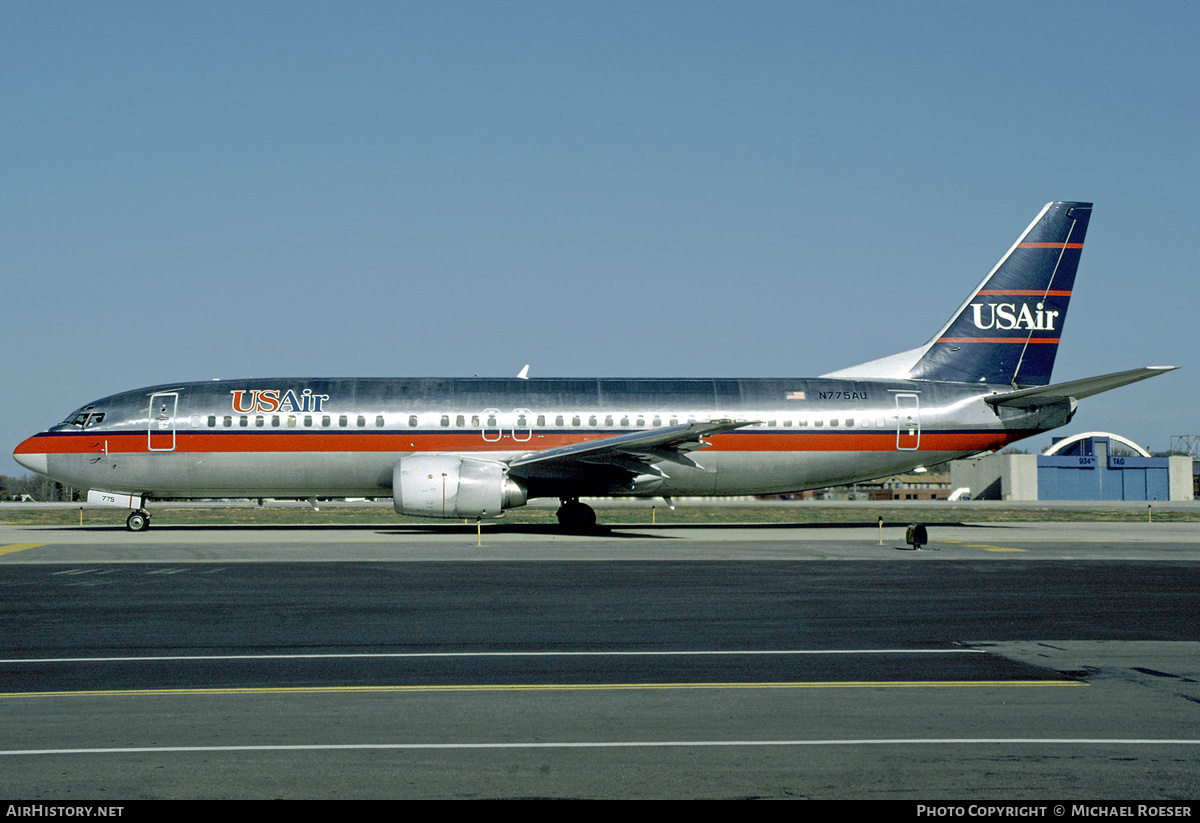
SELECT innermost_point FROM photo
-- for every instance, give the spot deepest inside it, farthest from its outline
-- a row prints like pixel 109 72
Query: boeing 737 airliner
pixel 471 448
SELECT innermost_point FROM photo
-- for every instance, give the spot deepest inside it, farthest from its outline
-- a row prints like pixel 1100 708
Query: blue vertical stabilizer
pixel 1008 331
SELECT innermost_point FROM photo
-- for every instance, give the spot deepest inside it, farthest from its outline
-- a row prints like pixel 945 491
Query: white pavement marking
pixel 908 741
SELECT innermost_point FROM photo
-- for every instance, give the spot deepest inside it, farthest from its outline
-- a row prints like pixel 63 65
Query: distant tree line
pixel 41 489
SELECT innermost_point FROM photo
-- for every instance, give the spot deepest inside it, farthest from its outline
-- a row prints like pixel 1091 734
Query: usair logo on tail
pixel 1006 316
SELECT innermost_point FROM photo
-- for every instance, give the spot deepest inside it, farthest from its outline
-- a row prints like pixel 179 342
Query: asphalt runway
pixel 1002 662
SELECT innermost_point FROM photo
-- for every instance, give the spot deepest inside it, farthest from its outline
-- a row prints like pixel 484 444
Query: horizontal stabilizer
pixel 1075 389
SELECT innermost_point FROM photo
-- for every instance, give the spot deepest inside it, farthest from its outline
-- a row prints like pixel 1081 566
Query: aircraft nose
pixel 30 456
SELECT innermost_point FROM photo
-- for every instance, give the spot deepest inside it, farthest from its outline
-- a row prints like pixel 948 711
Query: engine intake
pixel 448 485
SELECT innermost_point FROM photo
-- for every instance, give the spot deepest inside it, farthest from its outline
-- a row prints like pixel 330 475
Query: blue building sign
pixel 1091 472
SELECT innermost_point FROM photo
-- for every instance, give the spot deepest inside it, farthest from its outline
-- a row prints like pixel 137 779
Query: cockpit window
pixel 85 417
pixel 78 418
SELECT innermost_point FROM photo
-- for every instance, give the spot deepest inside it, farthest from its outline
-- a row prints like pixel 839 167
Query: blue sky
pixel 210 189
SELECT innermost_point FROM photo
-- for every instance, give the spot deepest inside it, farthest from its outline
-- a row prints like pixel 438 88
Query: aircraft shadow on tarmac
pixel 615 530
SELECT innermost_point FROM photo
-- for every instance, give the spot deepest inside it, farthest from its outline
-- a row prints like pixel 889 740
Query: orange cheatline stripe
pixel 1024 292
pixel 400 442
pixel 997 340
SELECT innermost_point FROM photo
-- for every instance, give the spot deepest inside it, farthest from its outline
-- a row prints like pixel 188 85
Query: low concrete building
pixel 997 477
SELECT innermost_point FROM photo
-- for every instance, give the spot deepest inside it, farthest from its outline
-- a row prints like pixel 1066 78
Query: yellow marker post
pixel 881 529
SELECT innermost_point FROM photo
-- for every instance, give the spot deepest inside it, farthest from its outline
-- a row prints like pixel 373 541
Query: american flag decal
pixel 795 395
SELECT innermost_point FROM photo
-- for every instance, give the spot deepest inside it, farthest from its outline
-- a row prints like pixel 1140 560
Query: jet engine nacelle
pixel 448 485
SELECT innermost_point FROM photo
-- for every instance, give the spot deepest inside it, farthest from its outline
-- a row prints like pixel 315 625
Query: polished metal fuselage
pixel 314 437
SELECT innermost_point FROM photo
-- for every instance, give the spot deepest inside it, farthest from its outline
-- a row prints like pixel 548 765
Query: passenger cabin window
pixel 243 421
pixel 412 421
pixel 259 420
pixel 343 421
pixel 460 421
pixel 362 421
pixel 274 421
pixel 227 421
pixel 445 421
pixel 379 421
pixel 325 420
pixel 212 421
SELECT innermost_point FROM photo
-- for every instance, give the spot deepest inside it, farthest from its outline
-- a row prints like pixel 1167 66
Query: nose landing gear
pixel 137 521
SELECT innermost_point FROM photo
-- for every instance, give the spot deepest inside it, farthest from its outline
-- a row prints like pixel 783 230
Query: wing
pixel 635 453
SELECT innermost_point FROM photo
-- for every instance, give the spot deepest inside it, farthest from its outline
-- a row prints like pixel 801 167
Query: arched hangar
pixel 1088 466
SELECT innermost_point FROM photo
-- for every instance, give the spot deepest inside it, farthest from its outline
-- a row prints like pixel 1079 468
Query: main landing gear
pixel 575 516
pixel 138 521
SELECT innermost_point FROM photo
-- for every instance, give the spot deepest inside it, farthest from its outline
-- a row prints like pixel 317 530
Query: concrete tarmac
pixel 1003 661
pixel 1046 540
